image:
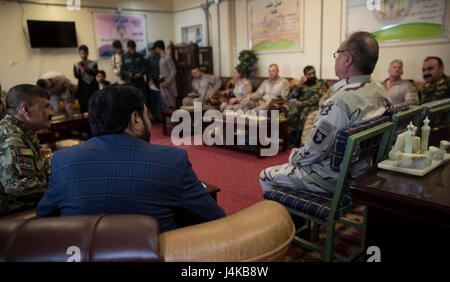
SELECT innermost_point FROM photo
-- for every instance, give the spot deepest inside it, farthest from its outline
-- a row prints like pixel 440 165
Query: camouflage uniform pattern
pixel 309 96
pixel 441 90
pixel 24 171
pixel 309 122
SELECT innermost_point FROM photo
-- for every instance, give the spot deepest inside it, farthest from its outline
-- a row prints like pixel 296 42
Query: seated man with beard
pixel 120 172
pixel 304 99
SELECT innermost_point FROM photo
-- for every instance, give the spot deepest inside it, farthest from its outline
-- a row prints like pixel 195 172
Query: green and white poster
pixel 395 20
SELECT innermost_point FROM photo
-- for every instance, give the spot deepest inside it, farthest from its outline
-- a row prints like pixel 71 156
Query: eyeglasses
pixel 336 53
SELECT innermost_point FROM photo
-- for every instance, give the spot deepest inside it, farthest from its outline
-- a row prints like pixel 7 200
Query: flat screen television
pixel 45 34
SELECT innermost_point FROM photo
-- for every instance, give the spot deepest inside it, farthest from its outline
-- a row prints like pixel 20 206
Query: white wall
pixel 30 63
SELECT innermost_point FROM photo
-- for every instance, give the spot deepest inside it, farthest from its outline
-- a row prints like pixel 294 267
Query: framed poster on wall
pixel 275 25
pixel 398 20
pixel 109 28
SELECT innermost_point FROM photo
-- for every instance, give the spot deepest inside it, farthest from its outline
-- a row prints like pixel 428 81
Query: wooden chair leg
pixel 330 242
pixel 316 231
pixel 364 230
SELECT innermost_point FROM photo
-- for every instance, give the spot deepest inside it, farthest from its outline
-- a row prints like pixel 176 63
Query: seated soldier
pixel 24 171
pixel 401 92
pixel 60 88
pixel 274 89
pixel 437 84
pixel 205 89
pixel 242 89
pixel 356 99
pixel 304 99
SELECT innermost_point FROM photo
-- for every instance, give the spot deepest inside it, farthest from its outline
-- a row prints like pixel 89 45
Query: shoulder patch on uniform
pixel 322 132
pixel 322 135
pixel 26 163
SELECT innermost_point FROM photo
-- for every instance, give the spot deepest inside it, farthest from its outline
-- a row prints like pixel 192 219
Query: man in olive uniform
pixel 133 69
pixel 437 84
pixel 356 99
pixel 271 91
pixel 205 89
pixel 304 99
pixel 24 171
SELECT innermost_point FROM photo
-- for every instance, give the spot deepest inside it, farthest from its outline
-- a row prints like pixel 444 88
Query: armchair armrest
pixel 261 232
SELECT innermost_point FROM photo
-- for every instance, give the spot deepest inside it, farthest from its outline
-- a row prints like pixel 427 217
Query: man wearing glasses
pixel 356 99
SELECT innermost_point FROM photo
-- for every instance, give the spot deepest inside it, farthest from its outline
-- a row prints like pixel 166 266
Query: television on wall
pixel 50 34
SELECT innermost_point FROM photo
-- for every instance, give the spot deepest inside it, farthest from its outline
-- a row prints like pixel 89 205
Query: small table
pixel 67 123
pixel 256 149
pixel 408 216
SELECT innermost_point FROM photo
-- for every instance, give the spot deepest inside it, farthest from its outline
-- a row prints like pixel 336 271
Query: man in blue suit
pixel 120 172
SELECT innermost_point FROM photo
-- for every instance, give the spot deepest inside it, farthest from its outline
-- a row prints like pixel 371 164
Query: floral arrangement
pixel 248 61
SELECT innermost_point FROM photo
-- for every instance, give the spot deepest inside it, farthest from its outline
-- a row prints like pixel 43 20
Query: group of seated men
pixel 302 101
pixel 119 171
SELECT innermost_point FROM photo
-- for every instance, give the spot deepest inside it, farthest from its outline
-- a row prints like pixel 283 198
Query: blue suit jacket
pixel 121 174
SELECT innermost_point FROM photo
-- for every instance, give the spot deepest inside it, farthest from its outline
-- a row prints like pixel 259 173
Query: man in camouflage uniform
pixel 205 89
pixel 304 99
pixel 24 171
pixel 356 99
pixel 437 84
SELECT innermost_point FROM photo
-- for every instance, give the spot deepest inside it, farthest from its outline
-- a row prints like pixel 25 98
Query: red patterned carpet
pixel 237 175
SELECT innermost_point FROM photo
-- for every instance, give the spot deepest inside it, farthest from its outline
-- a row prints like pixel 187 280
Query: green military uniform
pixel 296 117
pixel 24 171
pixel 438 91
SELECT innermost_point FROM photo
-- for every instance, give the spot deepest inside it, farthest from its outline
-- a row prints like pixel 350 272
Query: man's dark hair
pixel 83 48
pixel 159 44
pixel 42 83
pixel 23 93
pixel 364 48
pixel 195 68
pixel 131 44
pixel 307 69
pixel 102 72
pixel 439 60
pixel 110 109
pixel 117 44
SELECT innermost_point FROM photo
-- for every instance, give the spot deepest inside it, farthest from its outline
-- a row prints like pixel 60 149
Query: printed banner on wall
pixel 118 27
pixel 395 20
pixel 275 24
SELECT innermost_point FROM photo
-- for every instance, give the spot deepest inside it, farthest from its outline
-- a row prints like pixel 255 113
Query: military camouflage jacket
pixel 440 90
pixel 309 95
pixel 24 171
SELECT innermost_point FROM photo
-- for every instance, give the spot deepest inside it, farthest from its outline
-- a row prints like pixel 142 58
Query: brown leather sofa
pixel 261 232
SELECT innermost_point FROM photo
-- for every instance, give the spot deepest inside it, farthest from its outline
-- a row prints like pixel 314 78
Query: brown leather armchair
pixel 261 232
